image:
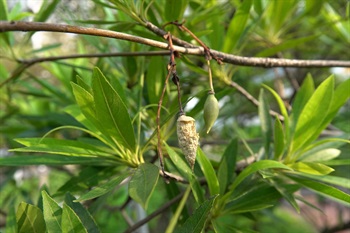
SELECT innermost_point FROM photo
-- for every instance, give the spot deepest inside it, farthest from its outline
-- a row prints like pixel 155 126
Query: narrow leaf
pixel 278 139
pixel 52 213
pixel 60 146
pixel 30 219
pixel 104 188
pixel 340 97
pixel 313 114
pixel 302 97
pixel 312 168
pixel 143 182
pixel 323 189
pixel 196 222
pixel 11 224
pixel 174 10
pixel 112 112
pixel 209 172
pixel 175 218
pixel 255 199
pixel 265 120
pixel 3 10
pixel 338 162
pixel 155 79
pixel 186 171
pixel 71 221
pixel 260 165
pixel 85 217
pixel 227 165
pixel 282 109
pixel 47 8
pixel 237 26
pixel 23 160
pixel 334 180
pixel 322 155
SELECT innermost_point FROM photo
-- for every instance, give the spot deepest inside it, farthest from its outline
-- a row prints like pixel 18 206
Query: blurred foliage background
pixel 34 102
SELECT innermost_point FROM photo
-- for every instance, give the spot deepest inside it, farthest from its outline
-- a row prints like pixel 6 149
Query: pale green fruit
pixel 211 111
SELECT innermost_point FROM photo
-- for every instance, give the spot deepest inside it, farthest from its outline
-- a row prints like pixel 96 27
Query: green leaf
pixel 323 144
pixel 76 112
pixel 143 182
pixel 265 120
pixel 289 44
pixel 85 100
pixel 312 168
pixel 174 10
pixel 334 180
pixel 323 189
pixel 83 84
pixel 11 224
pixel 175 218
pixel 4 17
pixel 88 177
pixel 186 171
pixel 322 155
pixel 209 172
pixel 85 217
pixel 260 165
pixel 60 146
pixel 3 10
pixel 282 109
pixel 104 188
pixel 340 97
pixel 254 199
pixel 337 162
pixel 313 7
pixel 86 103
pixel 23 160
pixel 302 96
pixel 112 112
pixel 237 26
pixel 313 114
pixel 279 12
pixel 154 79
pixel 52 213
pixel 196 222
pixel 30 219
pixel 71 221
pixel 47 8
pixel 286 190
pixel 227 165
pixel 278 139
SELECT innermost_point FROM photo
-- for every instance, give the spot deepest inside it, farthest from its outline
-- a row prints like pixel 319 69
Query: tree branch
pixel 6 26
pixel 155 213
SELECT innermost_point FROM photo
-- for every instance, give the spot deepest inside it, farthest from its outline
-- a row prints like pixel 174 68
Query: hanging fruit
pixel 211 111
pixel 188 138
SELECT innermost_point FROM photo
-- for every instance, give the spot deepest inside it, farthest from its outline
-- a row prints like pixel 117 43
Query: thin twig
pixel 159 147
pixel 6 26
pixel 160 32
pixel 171 71
pixel 208 54
pixel 252 99
pixel 24 64
pixel 155 213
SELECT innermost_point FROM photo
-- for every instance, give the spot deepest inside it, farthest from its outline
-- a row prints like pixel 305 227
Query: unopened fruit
pixel 188 138
pixel 211 111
